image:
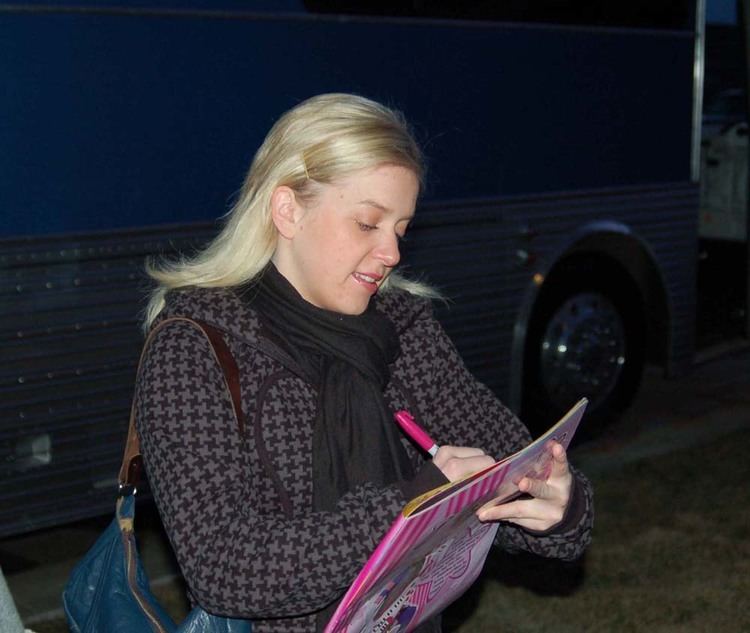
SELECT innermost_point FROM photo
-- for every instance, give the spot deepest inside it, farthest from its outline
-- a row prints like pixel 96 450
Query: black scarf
pixel 355 439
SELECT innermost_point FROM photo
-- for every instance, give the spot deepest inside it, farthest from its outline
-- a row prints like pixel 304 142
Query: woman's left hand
pixel 545 503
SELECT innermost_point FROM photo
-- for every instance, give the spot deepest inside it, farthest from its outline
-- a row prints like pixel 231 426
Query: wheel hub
pixel 583 350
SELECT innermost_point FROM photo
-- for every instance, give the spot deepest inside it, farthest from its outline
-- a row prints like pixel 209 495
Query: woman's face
pixel 339 249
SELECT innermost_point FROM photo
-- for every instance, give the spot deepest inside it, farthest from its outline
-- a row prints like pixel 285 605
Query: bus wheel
pixel 586 338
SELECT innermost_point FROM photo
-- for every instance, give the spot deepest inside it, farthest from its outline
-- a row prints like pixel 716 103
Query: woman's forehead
pixel 388 188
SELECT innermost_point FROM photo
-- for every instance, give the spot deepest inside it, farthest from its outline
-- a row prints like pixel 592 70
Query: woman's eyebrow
pixel 374 203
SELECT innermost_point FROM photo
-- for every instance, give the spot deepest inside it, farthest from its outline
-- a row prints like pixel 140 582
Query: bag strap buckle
pixel 126 490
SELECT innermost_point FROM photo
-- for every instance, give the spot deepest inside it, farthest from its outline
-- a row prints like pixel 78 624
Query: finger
pixel 555 490
pixel 460 451
pixel 559 460
pixel 532 514
pixel 557 450
pixel 456 468
pixel 448 453
pixel 537 488
pixel 503 501
pixel 519 510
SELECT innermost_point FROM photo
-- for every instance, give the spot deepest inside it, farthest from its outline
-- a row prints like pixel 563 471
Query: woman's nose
pixel 387 251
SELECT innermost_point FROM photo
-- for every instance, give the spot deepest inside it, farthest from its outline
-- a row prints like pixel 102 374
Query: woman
pixel 273 525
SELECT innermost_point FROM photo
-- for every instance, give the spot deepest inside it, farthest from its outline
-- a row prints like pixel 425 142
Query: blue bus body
pixel 125 131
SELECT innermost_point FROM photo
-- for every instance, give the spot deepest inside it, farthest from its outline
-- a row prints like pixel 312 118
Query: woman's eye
pixel 365 227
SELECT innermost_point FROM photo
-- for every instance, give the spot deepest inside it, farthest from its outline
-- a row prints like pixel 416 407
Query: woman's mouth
pixel 368 280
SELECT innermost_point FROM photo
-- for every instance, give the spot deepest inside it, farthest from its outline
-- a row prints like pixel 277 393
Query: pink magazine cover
pixel 436 548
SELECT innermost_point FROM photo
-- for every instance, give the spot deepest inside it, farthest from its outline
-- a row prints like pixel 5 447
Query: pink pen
pixel 416 432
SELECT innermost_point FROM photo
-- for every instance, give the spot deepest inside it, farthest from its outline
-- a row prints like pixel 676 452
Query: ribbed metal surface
pixel 69 312
pixel 70 335
pixel 475 251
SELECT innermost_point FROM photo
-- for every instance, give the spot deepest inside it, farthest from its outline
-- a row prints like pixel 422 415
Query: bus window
pixel 649 14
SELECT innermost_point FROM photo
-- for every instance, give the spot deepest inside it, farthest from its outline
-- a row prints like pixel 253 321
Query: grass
pixel 671 553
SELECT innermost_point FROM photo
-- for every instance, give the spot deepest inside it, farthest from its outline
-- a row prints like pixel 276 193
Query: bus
pixel 559 218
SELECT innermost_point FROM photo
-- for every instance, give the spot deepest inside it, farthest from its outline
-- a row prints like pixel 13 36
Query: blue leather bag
pixel 108 591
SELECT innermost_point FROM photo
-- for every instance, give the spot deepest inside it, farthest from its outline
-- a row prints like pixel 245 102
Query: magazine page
pixel 532 460
pixel 436 549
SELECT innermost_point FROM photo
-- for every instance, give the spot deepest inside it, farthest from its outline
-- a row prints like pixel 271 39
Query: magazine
pixel 437 546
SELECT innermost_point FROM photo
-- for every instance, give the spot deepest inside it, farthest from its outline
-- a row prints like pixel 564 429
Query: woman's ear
pixel 285 211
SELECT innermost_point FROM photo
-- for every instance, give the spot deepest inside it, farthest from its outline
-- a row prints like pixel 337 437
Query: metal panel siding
pixel 488 282
pixel 70 337
pixel 69 311
pixel 663 218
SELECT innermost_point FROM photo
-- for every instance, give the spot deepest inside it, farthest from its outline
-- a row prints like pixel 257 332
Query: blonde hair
pixel 321 140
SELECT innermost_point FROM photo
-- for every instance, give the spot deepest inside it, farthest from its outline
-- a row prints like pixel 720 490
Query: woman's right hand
pixel 456 462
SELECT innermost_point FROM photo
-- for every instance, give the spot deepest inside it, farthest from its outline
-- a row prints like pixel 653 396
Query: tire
pixel 586 338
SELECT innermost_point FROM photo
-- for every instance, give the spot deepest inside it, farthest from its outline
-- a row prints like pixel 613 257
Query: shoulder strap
pixel 132 463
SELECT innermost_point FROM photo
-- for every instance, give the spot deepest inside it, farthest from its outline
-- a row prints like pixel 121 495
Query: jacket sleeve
pixel 237 559
pixel 457 409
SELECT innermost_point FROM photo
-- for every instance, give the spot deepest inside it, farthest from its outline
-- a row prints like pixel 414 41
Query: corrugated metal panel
pixel 474 252
pixel 70 337
pixel 69 312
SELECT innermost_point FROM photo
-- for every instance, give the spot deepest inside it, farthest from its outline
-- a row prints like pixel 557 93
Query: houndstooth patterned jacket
pixel 238 509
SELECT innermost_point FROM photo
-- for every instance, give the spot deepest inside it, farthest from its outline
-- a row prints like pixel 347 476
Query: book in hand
pixel 437 546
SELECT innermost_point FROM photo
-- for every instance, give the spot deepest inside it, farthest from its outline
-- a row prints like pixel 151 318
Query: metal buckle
pixel 126 490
